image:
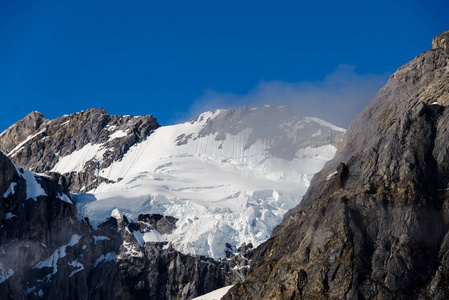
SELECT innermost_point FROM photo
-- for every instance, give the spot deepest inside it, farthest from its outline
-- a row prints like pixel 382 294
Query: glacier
pixel 228 176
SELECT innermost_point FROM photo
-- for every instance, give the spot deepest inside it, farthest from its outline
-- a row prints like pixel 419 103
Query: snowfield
pixel 228 176
pixel 215 295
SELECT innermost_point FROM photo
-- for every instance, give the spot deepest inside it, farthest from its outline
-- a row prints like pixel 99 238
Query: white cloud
pixel 337 98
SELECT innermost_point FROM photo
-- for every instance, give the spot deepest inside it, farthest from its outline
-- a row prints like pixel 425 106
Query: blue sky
pixel 176 59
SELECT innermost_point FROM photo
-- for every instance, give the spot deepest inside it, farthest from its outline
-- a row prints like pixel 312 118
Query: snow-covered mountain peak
pixel 227 176
pixel 282 130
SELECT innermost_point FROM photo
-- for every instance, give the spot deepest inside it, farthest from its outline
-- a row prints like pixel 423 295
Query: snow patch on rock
pixel 76 264
pixel 75 161
pixel 9 215
pixel 34 189
pixel 111 256
pixel 117 134
pixel 215 295
pixel 100 238
pixel 150 236
pixel 5 274
pixel 63 197
pixel 52 260
pixel 130 250
pixel 19 147
pixel 10 190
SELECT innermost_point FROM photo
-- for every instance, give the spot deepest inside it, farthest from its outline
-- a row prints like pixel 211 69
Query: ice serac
pixel 375 222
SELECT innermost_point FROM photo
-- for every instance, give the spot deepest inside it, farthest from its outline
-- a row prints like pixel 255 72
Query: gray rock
pixel 36 144
pixel 441 42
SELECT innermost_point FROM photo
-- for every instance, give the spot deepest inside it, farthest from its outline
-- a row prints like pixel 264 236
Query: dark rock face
pixel 36 144
pixel 378 227
pixel 109 263
pixel 27 224
pixel 48 251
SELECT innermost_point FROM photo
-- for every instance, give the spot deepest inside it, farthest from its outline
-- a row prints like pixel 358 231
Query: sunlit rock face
pixel 441 42
pixel 37 144
pixel 374 223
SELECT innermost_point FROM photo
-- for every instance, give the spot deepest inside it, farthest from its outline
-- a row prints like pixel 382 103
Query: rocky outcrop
pixel 48 251
pixel 375 222
pixel 441 42
pixel 37 144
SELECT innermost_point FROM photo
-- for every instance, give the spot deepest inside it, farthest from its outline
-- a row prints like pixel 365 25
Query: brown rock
pixel 379 228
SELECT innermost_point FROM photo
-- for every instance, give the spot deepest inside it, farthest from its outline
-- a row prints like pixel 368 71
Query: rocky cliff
pixel 375 222
pixel 36 143
pixel 48 251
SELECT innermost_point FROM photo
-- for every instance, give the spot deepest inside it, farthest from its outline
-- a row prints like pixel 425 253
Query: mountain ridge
pixel 246 166
pixel 36 143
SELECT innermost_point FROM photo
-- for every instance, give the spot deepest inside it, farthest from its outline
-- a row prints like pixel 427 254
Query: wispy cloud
pixel 337 98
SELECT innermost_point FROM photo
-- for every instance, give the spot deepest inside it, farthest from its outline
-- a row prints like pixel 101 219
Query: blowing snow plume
pixel 343 93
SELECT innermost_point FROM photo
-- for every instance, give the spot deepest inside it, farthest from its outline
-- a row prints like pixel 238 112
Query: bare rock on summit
pixel 374 223
pixel 441 41
pixel 37 144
